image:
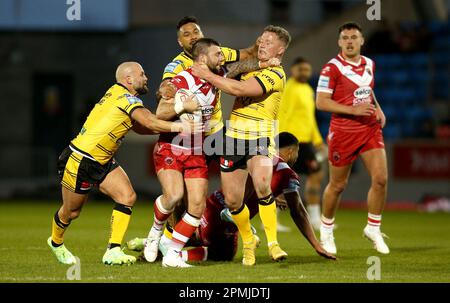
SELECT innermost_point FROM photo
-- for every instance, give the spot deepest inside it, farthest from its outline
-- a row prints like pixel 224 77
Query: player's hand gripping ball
pixel 181 96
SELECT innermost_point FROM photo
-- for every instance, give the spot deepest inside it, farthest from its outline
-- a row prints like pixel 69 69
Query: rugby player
pixel 249 140
pixel 89 161
pixel 189 32
pixel 180 161
pixel 217 236
pixel 345 89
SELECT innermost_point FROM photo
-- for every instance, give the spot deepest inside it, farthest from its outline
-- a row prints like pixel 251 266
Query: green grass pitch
pixel 419 242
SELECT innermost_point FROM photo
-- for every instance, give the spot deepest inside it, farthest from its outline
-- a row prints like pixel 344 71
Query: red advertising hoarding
pixel 422 160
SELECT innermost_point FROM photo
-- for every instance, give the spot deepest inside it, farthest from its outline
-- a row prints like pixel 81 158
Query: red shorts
pixel 166 156
pixel 344 147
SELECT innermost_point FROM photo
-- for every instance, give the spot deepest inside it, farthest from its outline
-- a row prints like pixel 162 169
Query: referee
pixel 297 116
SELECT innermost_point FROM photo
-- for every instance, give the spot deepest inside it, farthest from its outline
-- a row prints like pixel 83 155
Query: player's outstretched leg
pixel 55 242
pixel 70 210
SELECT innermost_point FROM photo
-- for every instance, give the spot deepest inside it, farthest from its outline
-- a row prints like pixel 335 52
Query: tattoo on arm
pixel 244 66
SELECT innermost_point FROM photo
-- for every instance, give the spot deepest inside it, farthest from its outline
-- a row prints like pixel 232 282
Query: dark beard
pixel 142 90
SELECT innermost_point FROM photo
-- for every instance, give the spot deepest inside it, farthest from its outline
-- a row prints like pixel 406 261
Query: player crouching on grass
pixel 89 160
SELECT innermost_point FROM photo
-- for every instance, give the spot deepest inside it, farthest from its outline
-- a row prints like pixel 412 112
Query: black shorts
pixel 80 174
pixel 239 151
pixel 214 146
pixel 307 162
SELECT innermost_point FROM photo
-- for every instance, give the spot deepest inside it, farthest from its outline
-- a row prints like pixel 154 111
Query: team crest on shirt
pixel 168 160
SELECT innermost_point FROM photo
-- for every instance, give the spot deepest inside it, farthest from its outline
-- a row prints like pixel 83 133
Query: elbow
pixel 319 104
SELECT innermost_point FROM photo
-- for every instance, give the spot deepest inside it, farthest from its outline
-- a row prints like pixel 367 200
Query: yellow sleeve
pixel 173 68
pixel 127 103
pixel 230 55
pixel 270 80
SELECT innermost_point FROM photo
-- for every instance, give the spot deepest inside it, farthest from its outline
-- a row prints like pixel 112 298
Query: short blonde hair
pixel 282 33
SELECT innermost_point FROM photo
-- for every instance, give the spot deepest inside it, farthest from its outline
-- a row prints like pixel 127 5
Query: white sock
pixel 314 212
pixel 373 222
pixel 326 225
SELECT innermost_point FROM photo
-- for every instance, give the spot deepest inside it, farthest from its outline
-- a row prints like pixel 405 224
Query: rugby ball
pixel 181 96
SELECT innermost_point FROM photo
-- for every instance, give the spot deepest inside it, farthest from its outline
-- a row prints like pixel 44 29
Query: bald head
pixel 132 76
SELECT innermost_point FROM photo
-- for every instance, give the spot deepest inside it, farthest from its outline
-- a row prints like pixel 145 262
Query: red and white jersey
pixel 350 84
pixel 205 92
pixel 284 180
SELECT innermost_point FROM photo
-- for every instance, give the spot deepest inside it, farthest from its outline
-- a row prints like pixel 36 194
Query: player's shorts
pixel 80 174
pixel 239 151
pixel 167 156
pixel 307 161
pixel 344 147
pixel 220 237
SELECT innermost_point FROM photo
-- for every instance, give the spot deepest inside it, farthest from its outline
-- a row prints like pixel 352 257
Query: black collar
pixel 187 55
pixel 120 84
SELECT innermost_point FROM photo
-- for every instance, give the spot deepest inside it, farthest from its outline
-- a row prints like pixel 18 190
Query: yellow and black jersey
pixel 183 61
pixel 107 124
pixel 254 117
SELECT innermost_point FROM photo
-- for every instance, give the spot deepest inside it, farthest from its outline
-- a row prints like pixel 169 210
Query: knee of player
pixel 338 187
pixel 172 197
pixel 128 198
pixel 262 186
pixel 74 213
pixel 379 180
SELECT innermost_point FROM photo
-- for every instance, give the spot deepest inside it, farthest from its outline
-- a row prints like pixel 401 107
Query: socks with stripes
pixel 374 221
pixel 159 218
pixel 120 219
pixel 58 229
pixel 327 225
pixel 183 231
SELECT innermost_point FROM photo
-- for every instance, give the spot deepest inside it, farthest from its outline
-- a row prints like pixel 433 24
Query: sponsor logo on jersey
pixel 207 111
pixel 171 66
pixel 226 163
pixel 132 99
pixel 324 81
pixel 362 95
pixel 362 92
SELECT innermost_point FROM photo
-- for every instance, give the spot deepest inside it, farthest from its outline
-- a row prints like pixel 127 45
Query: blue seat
pixel 419 60
pixel 392 131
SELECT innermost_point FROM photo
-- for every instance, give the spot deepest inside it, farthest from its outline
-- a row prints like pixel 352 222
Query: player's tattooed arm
pixel 301 219
pixel 249 65
pixel 249 52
